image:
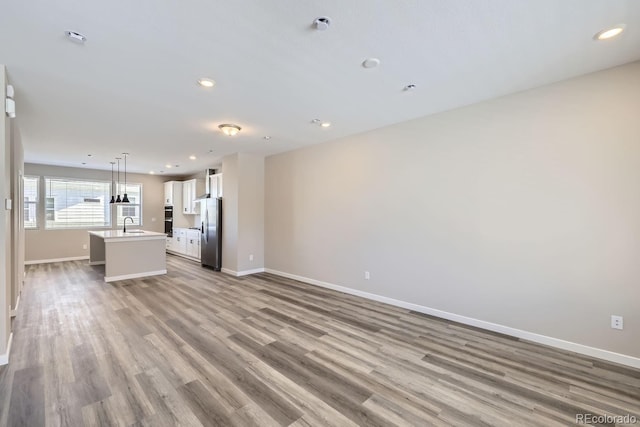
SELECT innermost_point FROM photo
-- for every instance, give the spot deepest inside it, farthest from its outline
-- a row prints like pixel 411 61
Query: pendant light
pixel 118 200
pixel 125 199
pixel 113 199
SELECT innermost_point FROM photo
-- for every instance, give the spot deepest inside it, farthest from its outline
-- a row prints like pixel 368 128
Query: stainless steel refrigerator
pixel 211 233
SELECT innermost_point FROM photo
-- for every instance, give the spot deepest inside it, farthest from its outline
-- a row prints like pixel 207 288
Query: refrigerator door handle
pixel 206 231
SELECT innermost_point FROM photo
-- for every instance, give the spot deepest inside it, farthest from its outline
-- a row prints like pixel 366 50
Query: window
pixel 30 187
pixel 73 203
pixel 134 208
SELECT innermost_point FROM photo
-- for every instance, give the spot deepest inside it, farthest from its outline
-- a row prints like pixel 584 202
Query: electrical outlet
pixel 367 276
pixel 84 246
pixel 617 322
pixel 251 257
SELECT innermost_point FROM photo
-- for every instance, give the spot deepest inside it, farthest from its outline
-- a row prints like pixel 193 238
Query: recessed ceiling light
pixel 204 82
pixel 89 155
pixel 315 121
pixel 151 173
pixel 408 88
pixel 325 124
pixel 84 163
pixel 322 23
pixel 371 63
pixel 192 157
pixel 176 166
pixel 75 36
pixel 229 129
pixel 267 137
pixel 609 33
pixel 167 166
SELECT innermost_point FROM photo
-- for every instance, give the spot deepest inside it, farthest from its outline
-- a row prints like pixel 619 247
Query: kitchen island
pixel 128 255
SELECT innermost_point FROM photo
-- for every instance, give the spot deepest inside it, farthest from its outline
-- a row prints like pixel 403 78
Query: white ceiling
pixel 132 86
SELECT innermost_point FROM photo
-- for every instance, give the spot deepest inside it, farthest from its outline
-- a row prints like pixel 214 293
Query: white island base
pixel 128 255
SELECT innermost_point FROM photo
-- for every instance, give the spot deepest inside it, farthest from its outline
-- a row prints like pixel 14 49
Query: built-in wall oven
pixel 168 220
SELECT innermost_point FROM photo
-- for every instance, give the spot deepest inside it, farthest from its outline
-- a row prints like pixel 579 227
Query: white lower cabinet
pixel 185 242
pixel 180 240
pixel 193 243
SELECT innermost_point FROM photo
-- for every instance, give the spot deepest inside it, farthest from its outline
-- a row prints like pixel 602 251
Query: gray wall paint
pixel 522 211
pixel 5 221
pixel 230 212
pixel 242 212
pixel 44 244
pixel 250 212
pixel 17 215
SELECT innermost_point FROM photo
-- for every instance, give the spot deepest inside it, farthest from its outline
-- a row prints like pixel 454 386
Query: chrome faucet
pixel 124 229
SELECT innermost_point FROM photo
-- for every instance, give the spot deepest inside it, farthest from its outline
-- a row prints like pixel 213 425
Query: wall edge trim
pixel 14 311
pixel 47 261
pixel 134 275
pixel 4 358
pixel 243 272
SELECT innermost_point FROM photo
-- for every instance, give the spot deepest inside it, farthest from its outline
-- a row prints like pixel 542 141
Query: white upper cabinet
pixel 168 194
pixel 190 190
pixel 215 185
pixel 172 193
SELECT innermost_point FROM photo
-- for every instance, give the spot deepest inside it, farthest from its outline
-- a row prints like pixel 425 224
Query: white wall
pixel 243 213
pixel 10 158
pixel 42 244
pixel 230 213
pixel 522 211
pixel 17 214
pixel 251 212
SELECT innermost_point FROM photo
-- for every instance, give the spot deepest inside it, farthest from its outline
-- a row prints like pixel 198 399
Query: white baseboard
pixel 189 257
pixel 15 310
pixel 47 261
pixel 242 273
pixel 599 353
pixel 134 275
pixel 4 358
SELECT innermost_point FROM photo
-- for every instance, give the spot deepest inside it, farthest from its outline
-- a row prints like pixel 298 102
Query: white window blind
pixel 71 203
pixel 30 187
pixel 134 208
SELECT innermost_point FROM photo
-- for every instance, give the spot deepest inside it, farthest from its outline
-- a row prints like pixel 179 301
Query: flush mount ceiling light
pixel 321 123
pixel 229 129
pixel 205 82
pixel 371 63
pixel 168 166
pixel 75 36
pixel 609 33
pixel 192 157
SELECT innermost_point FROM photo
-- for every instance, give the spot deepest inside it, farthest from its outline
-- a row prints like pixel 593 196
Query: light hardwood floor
pixel 197 347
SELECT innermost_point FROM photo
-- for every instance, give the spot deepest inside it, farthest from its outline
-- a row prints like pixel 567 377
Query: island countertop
pixel 113 235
